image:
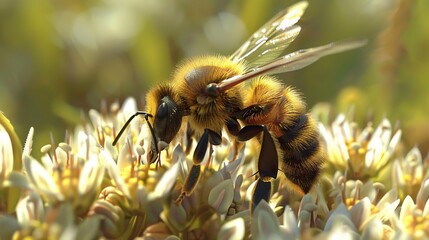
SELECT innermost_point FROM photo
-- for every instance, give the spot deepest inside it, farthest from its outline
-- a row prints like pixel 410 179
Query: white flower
pixel 30 209
pixel 413 219
pixel 408 173
pixel 364 153
pixel 234 229
pixel 265 224
pixel 70 173
pixel 290 224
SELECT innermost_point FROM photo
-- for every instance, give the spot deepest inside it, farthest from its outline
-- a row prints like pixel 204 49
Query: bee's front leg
pixel 194 174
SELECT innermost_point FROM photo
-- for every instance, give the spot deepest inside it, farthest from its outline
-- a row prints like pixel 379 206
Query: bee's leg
pixel 211 137
pixel 233 126
pixel 201 148
pixel 194 174
pixel 267 162
pixel 262 191
pixel 190 182
pixel 249 112
pixel 189 135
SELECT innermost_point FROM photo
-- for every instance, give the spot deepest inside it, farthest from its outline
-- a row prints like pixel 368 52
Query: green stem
pixel 12 193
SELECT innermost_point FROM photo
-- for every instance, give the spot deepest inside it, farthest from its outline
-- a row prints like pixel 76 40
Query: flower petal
pixel 360 212
pixel 388 210
pixel 387 199
pixel 373 152
pixel 220 197
pixel 407 208
pixel 91 176
pixel 423 195
pixel 265 222
pixel 234 166
pixel 28 142
pixel 290 225
pixel 397 174
pixel 391 147
pixel 41 179
pixel 176 217
pixel 233 229
pixel 342 229
pixel 113 172
pixel 373 230
pixel 249 190
pixel 167 181
pixel 368 189
pixel 214 180
pixel 237 187
pixel 29 209
pixel 339 215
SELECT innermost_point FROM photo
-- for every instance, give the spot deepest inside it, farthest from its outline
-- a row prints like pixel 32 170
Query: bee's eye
pixel 162 111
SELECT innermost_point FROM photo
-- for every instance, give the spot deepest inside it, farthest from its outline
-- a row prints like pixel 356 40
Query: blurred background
pixel 58 59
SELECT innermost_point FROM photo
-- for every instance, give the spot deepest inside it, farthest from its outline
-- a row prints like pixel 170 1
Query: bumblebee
pixel 238 93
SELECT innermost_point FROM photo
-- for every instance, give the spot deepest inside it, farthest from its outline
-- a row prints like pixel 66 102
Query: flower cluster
pixel 85 188
pixel 365 154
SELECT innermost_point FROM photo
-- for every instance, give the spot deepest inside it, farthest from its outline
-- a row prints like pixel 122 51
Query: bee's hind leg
pixel 267 161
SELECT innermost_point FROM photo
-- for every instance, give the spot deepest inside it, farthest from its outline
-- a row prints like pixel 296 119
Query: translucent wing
pixel 272 38
pixel 291 62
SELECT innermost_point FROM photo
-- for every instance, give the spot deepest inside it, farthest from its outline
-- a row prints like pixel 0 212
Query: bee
pixel 238 93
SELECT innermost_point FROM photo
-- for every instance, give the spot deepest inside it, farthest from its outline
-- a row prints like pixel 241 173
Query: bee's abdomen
pixel 303 155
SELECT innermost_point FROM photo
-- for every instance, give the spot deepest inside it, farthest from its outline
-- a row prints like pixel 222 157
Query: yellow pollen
pixel 350 202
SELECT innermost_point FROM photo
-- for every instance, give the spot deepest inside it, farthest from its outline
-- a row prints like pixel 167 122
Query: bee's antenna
pixel 146 116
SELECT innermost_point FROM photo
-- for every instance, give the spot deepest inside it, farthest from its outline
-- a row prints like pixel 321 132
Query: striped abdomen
pixel 300 154
pixel 303 155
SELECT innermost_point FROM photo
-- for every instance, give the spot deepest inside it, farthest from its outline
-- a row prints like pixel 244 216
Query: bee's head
pixel 163 116
pixel 163 103
pixel 167 120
